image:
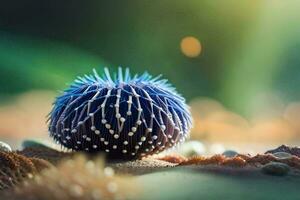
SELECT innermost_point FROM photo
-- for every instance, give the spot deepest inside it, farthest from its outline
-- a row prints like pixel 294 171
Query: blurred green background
pixel 249 47
pixel 243 62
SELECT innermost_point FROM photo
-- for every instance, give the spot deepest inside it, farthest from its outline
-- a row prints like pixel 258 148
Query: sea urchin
pixel 126 117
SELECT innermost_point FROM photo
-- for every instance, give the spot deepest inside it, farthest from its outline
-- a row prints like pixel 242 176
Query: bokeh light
pixel 25 117
pixel 215 124
pixel 190 46
pixel 241 56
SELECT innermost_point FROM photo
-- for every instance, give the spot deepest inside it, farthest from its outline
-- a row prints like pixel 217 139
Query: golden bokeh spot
pixel 190 46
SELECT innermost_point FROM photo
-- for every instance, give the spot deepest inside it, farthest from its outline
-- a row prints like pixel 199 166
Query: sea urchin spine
pixel 125 117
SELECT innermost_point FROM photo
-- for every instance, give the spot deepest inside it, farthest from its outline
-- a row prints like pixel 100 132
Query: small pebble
pixel 230 153
pixel 283 148
pixel 276 169
pixel 5 147
pixel 282 155
pixel 192 148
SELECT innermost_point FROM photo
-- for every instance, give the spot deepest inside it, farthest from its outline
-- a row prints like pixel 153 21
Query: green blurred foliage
pixel 33 64
pixel 246 44
pixel 268 61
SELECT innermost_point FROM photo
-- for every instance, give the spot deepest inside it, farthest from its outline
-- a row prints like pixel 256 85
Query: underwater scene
pixel 150 100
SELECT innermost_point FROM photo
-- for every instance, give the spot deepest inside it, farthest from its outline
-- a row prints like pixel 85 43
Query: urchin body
pixel 126 117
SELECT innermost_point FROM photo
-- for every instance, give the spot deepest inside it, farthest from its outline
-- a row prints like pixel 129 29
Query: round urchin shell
pixel 126 117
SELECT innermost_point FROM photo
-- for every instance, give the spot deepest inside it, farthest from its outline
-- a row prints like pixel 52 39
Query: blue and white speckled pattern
pixel 126 117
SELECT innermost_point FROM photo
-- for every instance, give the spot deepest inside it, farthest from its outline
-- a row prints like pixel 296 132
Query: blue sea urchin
pixel 125 117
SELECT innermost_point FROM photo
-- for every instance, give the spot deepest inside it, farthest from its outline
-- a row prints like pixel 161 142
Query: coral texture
pixel 241 160
pixel 16 168
pixel 77 178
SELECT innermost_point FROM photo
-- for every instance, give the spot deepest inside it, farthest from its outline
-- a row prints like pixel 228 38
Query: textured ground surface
pixel 215 177
pixel 140 167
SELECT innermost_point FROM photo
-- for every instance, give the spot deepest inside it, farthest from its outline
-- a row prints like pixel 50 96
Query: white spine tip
pixel 130 133
pixel 154 137
pixel 122 119
pixel 116 136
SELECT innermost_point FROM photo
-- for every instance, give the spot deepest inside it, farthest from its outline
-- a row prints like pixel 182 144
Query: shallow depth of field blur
pixel 236 62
